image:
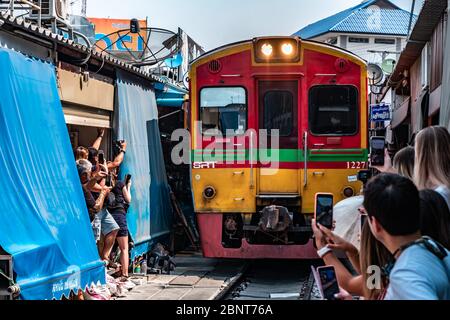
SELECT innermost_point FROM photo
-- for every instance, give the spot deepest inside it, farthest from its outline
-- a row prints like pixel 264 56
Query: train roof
pixel 313 42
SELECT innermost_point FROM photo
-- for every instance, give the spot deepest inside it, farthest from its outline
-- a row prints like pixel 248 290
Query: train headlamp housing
pixel 277 50
pixel 348 192
pixel 209 193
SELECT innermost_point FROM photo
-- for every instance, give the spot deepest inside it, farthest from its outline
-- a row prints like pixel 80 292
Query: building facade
pixel 419 84
pixel 374 30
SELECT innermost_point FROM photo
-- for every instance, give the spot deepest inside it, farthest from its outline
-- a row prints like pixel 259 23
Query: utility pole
pixel 83 7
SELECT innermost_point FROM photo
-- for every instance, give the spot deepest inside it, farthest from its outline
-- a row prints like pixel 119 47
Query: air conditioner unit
pixel 51 10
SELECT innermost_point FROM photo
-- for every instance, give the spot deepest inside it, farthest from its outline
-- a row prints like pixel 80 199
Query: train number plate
pixel 356 165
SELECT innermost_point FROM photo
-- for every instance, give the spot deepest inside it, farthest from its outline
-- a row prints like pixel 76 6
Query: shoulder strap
pixel 438 250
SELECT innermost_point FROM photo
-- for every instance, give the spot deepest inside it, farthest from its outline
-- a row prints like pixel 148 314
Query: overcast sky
pixel 213 23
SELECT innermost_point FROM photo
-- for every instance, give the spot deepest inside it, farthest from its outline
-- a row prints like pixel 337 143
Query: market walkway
pixel 195 278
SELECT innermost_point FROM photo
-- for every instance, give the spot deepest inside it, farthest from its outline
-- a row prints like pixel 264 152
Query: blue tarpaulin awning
pixel 169 96
pixel 150 214
pixel 44 220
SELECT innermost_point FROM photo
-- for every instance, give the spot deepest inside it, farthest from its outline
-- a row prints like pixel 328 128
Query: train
pixel 273 122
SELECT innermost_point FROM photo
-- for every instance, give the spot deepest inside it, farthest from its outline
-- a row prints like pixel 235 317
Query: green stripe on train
pixel 284 155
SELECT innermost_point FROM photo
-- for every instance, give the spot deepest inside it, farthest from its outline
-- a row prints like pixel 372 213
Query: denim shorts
pixel 105 223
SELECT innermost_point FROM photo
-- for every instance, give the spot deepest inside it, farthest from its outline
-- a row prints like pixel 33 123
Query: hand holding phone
pixel 377 151
pixel 323 212
pixel 326 282
pixel 127 179
pixel 101 157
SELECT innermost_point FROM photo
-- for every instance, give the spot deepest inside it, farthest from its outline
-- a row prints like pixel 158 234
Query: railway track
pixel 273 280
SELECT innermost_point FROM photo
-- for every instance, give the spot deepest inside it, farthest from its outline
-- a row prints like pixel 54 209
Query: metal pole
pixel 411 17
pixel 31 4
pixel 40 14
pixel 11 7
pixel 84 8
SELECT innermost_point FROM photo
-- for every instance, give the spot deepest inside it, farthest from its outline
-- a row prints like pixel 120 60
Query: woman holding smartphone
pixel 118 207
pixel 371 253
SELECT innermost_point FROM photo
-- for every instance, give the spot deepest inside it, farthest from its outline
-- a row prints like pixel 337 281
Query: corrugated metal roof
pixel 393 22
pixel 46 34
pixel 429 17
pixel 356 20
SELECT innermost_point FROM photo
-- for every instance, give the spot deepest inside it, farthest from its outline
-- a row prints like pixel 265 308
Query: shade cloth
pixel 44 223
pixel 150 214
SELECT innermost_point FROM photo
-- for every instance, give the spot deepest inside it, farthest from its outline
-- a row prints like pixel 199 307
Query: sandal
pixel 111 264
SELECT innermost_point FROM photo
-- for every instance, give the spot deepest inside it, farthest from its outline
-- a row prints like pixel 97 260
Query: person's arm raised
pixel 97 177
pixel 101 200
pixel 98 142
pixel 119 159
pixel 127 192
pixel 387 168
pixel 337 243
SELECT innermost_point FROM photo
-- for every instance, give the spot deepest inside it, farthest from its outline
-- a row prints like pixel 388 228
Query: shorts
pixel 106 222
pixel 121 219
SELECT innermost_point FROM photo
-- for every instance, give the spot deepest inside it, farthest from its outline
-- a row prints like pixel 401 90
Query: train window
pixel 223 109
pixel 279 112
pixel 333 110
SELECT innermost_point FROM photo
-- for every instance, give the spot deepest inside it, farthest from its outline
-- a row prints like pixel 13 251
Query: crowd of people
pixel 404 242
pixel 405 239
pixel 107 200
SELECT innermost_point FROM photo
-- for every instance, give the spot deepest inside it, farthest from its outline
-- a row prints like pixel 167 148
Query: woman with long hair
pixel 432 167
pixel 435 217
pixel 404 162
pixel 372 253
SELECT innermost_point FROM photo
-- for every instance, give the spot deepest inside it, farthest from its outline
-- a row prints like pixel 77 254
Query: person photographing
pixel 118 203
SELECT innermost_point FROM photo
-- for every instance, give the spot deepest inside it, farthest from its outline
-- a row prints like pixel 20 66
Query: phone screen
pixel 328 281
pixel 101 158
pixel 377 145
pixel 324 210
pixel 127 179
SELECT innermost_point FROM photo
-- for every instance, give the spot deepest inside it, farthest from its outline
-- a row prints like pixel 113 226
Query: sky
pixel 212 23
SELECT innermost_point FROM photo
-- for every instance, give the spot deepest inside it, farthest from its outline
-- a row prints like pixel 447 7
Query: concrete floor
pixel 195 278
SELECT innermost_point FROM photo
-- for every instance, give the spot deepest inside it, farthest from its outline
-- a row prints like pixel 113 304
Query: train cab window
pixel 333 110
pixel 279 112
pixel 223 109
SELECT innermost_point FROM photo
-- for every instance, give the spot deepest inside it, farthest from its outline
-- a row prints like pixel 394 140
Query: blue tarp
pixel 169 96
pixel 44 220
pixel 150 214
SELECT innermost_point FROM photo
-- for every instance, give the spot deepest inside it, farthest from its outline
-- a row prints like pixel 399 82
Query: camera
pixel 364 176
pixel 119 143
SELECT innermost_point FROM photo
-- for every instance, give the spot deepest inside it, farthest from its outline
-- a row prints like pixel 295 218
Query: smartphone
pixel 364 176
pixel 377 147
pixel 108 181
pixel 323 212
pixel 363 220
pixel 101 157
pixel 328 282
pixel 127 179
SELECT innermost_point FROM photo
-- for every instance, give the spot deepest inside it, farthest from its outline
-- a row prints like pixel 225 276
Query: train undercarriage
pixel 278 231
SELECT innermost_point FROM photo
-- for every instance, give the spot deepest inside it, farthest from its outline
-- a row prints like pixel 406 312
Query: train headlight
pixel 209 193
pixel 267 49
pixel 277 49
pixel 348 192
pixel 287 49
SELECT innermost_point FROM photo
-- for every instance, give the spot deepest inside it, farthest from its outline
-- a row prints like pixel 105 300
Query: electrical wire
pixel 10 280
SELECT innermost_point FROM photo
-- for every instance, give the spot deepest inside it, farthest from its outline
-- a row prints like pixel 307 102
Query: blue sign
pixel 380 112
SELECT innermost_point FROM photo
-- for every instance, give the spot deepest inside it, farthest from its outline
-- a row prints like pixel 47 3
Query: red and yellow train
pixel 255 200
